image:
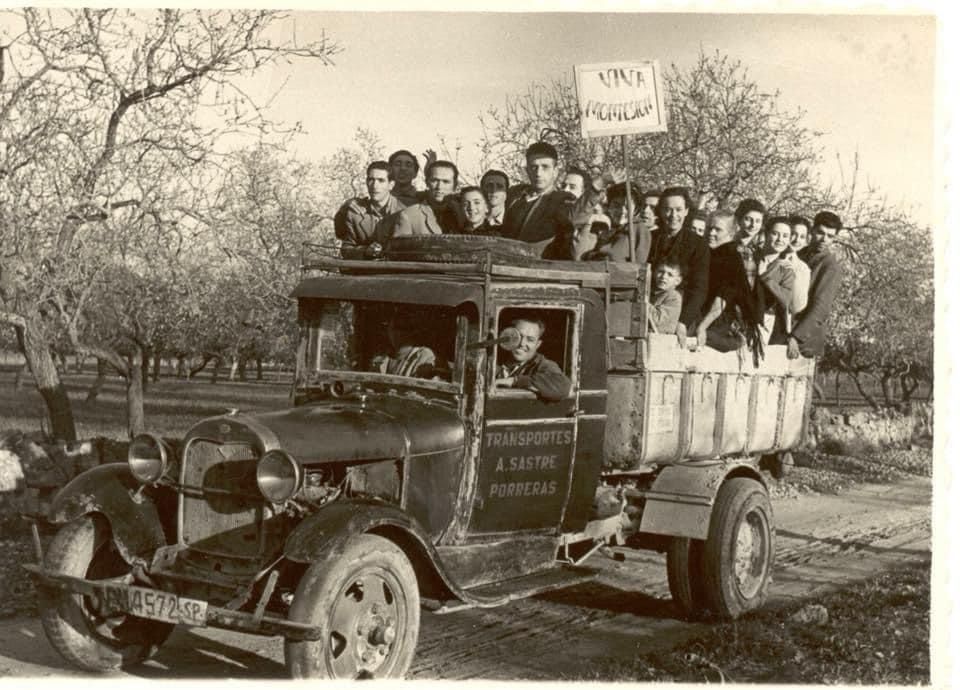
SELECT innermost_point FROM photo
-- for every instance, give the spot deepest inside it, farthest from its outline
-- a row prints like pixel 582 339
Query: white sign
pixel 620 98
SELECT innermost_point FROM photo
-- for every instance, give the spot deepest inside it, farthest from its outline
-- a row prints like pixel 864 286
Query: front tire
pixel 367 603
pixel 738 553
pixel 77 625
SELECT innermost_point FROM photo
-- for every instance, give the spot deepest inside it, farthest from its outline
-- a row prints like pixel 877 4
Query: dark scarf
pixel 728 280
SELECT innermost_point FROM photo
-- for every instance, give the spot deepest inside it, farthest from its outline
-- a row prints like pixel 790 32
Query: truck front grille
pixel 221 507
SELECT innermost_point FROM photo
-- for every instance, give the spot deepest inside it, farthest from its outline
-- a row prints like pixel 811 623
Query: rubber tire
pixel 686 577
pixel 68 627
pixel 319 589
pixel 737 499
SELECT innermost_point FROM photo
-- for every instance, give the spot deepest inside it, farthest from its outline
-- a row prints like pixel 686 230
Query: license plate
pixel 156 605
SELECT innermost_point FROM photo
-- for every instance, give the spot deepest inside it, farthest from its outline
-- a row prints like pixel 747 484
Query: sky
pixel 866 82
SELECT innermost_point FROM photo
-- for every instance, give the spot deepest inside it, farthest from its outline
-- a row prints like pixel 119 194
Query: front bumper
pixel 257 623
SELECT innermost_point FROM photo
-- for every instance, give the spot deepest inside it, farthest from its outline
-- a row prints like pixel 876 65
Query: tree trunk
pixel 216 369
pixel 242 370
pixel 18 377
pixel 259 369
pixel 78 362
pixel 908 386
pixel 135 388
pixel 233 368
pixel 181 367
pixel 203 365
pixel 818 391
pixel 44 370
pixel 863 393
pixel 836 386
pixel 885 388
pixel 157 361
pixel 144 368
pixel 97 382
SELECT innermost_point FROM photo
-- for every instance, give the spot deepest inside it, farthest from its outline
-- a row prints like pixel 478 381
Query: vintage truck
pixel 333 522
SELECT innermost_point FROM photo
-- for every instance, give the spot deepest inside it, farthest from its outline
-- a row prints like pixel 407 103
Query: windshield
pixel 377 338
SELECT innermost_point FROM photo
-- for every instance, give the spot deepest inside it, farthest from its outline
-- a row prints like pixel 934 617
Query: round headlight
pixel 279 476
pixel 147 458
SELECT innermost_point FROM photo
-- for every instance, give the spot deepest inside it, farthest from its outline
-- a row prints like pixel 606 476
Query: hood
pixel 345 430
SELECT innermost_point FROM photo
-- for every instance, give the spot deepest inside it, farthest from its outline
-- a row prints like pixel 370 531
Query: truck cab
pixel 404 475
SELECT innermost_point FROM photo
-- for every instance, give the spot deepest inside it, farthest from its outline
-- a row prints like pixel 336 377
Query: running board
pixel 499 593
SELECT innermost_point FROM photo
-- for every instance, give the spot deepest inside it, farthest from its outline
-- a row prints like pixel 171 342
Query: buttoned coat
pixel 539 220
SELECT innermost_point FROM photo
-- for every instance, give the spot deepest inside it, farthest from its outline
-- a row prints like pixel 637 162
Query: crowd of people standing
pixel 725 279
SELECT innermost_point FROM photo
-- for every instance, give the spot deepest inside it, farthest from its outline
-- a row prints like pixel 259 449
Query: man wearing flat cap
pixel 809 331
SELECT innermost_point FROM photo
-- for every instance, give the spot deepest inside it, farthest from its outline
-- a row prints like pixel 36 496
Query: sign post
pixel 620 99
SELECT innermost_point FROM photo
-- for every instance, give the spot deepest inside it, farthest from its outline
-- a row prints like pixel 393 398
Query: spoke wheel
pixel 85 631
pixel 367 602
pixel 738 554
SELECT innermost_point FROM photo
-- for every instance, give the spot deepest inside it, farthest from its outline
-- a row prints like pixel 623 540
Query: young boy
pixel 663 312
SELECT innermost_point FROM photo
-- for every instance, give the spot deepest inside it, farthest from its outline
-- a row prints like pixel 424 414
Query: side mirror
pixel 509 339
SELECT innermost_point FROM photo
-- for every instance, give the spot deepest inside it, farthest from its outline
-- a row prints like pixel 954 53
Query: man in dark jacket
pixel 538 212
pixel 809 331
pixel 530 369
pixel 674 242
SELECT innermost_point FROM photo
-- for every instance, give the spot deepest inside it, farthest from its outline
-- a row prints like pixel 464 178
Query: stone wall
pixel 850 432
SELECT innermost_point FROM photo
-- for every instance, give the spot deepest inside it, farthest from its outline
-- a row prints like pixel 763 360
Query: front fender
pixel 321 538
pixel 334 524
pixel 112 491
pixel 680 501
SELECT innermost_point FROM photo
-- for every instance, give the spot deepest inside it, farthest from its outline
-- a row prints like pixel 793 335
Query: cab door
pixel 528 444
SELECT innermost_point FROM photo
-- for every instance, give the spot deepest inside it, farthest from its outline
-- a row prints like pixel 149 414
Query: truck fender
pixel 112 491
pixel 680 501
pixel 323 536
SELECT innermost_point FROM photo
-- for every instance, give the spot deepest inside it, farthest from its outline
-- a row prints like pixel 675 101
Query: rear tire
pixel 367 602
pixel 76 625
pixel 738 553
pixel 685 576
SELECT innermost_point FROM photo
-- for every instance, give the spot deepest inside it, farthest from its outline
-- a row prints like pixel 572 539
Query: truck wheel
pixel 367 604
pixel 685 576
pixel 78 626
pixel 738 554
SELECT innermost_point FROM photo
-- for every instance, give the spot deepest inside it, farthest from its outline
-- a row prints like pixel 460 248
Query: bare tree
pixel 102 113
pixel 726 138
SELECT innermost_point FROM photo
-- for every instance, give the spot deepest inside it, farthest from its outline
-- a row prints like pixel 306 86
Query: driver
pixel 531 370
pixel 408 358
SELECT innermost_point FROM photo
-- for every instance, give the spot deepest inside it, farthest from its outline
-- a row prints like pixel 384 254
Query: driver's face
pixel 530 339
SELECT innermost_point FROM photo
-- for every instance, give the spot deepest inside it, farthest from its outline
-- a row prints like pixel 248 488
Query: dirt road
pixel 822 542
